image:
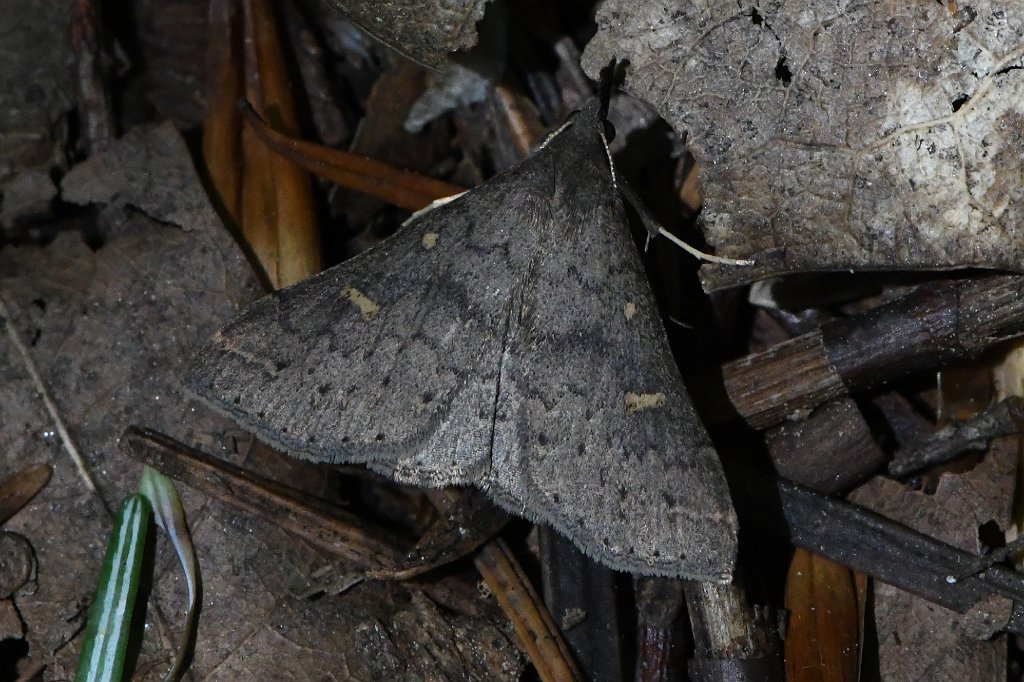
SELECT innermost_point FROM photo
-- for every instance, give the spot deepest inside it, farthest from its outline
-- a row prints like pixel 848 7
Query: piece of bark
pixel 830 451
pixel 931 325
pixel 915 639
pixel 171 35
pixel 36 96
pixel 95 112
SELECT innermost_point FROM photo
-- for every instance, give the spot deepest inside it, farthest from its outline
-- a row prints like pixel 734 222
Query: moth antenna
pixel 654 229
pixel 555 133
pixel 608 153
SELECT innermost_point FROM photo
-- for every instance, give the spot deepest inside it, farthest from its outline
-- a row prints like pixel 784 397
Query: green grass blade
pixel 170 516
pixel 109 626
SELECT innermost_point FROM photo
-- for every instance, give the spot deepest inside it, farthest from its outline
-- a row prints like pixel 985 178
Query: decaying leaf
pixel 839 135
pixel 917 639
pixel 424 31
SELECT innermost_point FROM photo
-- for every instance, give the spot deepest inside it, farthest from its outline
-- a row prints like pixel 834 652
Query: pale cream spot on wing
pixel 644 401
pixel 367 308
pixel 430 240
pixel 629 310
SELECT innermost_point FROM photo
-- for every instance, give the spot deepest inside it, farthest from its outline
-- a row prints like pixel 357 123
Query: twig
pixel 319 523
pixel 1003 419
pixel 51 405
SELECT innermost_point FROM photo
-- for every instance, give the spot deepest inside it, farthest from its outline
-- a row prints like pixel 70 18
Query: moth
pixel 506 339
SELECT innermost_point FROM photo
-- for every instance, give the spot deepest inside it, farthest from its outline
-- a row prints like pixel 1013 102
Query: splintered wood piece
pixel 830 451
pixel 731 640
pixel 929 326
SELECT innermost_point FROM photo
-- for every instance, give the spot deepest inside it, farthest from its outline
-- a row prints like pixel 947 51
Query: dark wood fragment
pixel 896 554
pixel 1003 419
pixel 95 113
pixel 933 324
pixel 659 603
pixel 732 641
pixel 581 596
pixel 831 451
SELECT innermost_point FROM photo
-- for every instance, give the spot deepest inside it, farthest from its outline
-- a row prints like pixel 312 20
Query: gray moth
pixel 507 339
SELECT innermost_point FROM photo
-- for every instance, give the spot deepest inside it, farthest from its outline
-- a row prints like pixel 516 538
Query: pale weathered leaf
pixel 837 135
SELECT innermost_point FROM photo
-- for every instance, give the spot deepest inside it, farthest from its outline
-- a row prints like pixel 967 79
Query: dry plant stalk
pixel 222 126
pixel 537 631
pixel 268 197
